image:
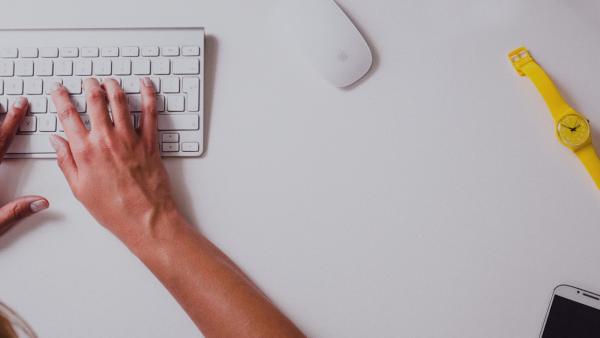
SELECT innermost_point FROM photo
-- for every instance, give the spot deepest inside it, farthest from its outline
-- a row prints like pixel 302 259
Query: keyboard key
pixel 160 103
pixel 82 67
pixel 190 147
pixel 79 103
pixel 13 86
pixel 134 102
pixel 24 68
pixel 170 84
pixel 170 138
pixel 9 52
pixel 37 104
pixel 28 52
pixel 27 144
pixel 7 68
pixel 141 67
pixel 47 123
pixel 150 51
pixel 136 120
pixel 63 67
pixel 156 82
pixel 175 103
pixel 69 52
pixel 161 67
pixel 1 86
pixel 28 124
pixel 12 100
pixel 190 51
pixel 43 67
pixel 49 83
pixel 191 86
pixel 110 51
pixel 49 52
pixel 178 122
pixel 122 67
pixel 72 84
pixel 102 67
pixel 52 107
pixel 131 85
pixel 170 147
pixel 33 86
pixel 186 67
pixel 89 52
pixel 170 50
pixel 130 51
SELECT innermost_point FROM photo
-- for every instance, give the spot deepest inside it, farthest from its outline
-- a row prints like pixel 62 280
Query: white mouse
pixel 328 38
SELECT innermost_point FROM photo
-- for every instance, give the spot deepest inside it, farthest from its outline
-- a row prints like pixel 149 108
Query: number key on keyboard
pixel 43 67
pixel 122 67
pixel 83 67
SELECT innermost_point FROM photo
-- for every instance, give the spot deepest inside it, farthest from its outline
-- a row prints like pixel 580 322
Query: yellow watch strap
pixel 590 160
pixel 525 65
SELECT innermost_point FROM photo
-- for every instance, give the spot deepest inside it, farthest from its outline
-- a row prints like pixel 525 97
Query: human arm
pixel 117 174
pixel 22 207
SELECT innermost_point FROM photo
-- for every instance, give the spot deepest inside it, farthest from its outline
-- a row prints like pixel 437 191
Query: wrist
pixel 159 226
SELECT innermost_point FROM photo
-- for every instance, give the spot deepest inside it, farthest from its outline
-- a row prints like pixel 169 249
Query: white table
pixel 432 200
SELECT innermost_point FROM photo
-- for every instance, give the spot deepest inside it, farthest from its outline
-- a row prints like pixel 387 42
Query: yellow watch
pixel 572 128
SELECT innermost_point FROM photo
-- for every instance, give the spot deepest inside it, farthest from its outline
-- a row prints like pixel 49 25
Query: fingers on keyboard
pixel 68 115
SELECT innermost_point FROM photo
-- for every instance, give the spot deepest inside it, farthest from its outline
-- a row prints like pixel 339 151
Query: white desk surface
pixel 432 200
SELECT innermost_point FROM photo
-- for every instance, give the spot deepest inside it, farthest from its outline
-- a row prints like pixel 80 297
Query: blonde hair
pixel 12 325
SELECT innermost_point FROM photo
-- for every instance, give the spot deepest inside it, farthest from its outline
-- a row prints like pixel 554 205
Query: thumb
pixel 19 209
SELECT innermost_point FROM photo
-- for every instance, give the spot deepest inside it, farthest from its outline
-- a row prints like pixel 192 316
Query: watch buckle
pixel 519 58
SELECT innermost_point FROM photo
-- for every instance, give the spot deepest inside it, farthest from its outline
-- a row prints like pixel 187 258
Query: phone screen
pixel 571 319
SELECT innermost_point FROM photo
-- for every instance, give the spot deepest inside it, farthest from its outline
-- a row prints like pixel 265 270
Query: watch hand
pixel 564 125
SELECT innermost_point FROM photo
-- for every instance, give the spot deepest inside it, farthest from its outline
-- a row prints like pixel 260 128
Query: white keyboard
pixel 31 60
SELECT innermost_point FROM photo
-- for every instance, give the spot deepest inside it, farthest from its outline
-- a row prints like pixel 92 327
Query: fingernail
pixel 21 102
pixel 54 143
pixel 39 205
pixel 147 82
pixel 54 86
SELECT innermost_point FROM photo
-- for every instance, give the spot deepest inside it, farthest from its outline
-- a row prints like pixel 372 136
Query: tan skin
pixel 116 172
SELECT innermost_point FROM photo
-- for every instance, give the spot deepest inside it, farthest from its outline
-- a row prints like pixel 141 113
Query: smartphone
pixel 573 312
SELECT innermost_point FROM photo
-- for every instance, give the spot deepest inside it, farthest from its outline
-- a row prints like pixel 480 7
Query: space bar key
pixel 30 144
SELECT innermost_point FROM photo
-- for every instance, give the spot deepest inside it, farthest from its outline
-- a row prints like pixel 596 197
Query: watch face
pixel 573 130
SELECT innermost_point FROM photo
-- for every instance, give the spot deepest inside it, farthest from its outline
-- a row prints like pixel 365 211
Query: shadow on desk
pixel 211 54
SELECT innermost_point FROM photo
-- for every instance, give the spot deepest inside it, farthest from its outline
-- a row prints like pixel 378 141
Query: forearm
pixel 215 293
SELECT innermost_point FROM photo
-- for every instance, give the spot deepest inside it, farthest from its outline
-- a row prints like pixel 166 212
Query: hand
pixel 24 206
pixel 114 169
